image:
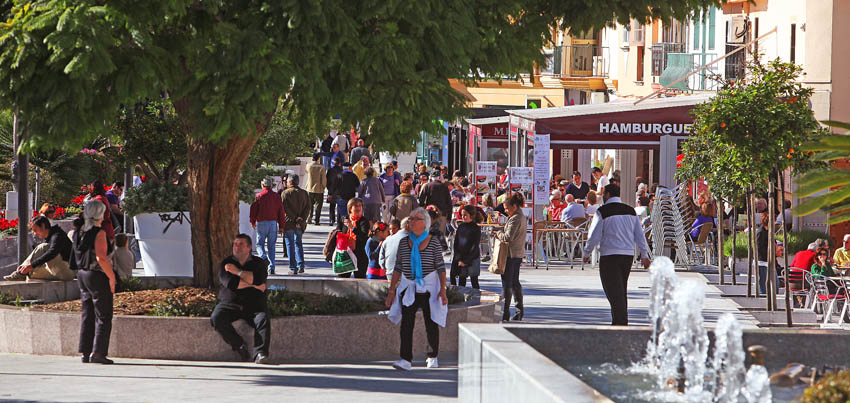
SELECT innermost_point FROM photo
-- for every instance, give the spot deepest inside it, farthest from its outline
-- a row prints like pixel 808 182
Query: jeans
pixel 295 248
pixel 326 161
pixel 267 232
pixel 341 209
pixel 511 288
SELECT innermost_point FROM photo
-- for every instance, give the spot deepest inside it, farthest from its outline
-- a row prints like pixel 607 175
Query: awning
pixel 495 127
pixel 621 121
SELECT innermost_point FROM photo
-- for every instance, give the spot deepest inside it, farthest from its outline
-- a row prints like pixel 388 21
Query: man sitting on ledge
pixel 242 296
pixel 48 261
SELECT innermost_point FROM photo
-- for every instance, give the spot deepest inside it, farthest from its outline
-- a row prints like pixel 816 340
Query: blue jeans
pixel 326 161
pixel 267 232
pixel 295 248
pixel 341 209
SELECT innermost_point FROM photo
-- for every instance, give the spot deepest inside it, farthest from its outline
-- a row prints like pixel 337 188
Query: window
pixel 793 56
pixel 674 32
pixel 697 30
pixel 639 76
pixel 549 67
pixel 626 35
pixel 637 33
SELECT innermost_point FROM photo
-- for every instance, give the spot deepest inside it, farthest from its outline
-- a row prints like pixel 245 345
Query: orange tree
pixel 68 66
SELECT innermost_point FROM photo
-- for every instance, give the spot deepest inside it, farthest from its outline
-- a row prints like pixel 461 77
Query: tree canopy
pixel 752 129
pixel 69 65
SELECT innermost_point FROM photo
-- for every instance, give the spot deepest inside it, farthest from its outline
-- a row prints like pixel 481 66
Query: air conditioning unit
pixel 737 32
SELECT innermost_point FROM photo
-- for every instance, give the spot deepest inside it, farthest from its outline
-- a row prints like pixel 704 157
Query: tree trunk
pixel 752 272
pixel 719 210
pixel 734 225
pixel 770 281
pixel 213 177
pixel 785 255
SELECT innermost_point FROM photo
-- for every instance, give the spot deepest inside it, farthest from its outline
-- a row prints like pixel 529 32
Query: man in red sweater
pixel 268 218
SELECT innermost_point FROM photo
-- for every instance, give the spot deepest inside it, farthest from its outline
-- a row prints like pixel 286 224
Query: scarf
pixel 416 257
pixel 353 219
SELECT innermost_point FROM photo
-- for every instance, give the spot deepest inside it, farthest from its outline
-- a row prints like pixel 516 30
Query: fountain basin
pixel 499 362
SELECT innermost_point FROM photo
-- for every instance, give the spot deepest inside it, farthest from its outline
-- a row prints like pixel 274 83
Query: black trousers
pixel 316 212
pixel 614 271
pixel 511 286
pixel 96 323
pixel 457 277
pixel 408 319
pixel 222 320
pixel 332 216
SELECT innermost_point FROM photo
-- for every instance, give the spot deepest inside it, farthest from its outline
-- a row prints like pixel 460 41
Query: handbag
pixel 500 257
pixel 344 262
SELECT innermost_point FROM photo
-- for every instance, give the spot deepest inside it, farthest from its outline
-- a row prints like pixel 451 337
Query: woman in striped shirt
pixel 418 281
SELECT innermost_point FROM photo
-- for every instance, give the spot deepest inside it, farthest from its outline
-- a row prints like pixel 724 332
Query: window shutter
pixel 697 30
pixel 711 23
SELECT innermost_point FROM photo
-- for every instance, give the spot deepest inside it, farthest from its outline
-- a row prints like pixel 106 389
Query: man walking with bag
pixel 617 231
pixel 316 183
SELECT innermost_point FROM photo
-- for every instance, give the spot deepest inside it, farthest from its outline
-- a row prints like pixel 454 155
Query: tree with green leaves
pixel 750 132
pixel 67 66
pixel 833 178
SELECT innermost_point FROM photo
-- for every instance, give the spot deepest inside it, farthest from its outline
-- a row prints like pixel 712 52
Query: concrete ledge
pixel 501 361
pixel 301 338
pixel 48 292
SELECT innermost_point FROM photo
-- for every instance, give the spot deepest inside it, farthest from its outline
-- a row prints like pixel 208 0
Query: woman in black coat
pixel 467 254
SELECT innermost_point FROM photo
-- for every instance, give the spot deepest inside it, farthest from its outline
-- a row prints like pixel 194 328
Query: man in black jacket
pixel 437 193
pixel 242 296
pixel 348 184
pixel 334 176
pixel 48 261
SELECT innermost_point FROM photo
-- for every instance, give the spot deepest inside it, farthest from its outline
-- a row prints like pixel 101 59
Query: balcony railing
pixel 660 51
pixel 682 64
pixel 735 63
pixel 581 61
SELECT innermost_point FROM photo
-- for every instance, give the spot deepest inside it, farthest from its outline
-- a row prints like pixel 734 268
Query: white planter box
pixel 165 252
pixel 245 221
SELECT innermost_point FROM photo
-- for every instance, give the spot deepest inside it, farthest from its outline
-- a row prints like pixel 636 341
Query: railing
pixel 682 64
pixel 581 61
pixel 735 63
pixel 659 55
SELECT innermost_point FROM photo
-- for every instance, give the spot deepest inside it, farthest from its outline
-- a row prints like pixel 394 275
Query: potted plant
pixel 160 213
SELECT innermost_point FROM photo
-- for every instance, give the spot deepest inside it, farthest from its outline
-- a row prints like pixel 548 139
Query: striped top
pixel 432 258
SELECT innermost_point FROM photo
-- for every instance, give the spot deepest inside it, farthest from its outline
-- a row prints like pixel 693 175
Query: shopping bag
pixel 344 262
pixel 500 257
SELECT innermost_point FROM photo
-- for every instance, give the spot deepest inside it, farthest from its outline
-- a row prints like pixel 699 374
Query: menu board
pixel 486 169
pixel 521 175
pixel 541 169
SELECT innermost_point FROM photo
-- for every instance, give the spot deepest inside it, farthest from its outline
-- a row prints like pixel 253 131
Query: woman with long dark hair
pixel 467 254
pixel 514 236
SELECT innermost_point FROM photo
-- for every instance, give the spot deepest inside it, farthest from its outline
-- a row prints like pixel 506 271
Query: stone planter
pixel 165 241
pixel 245 221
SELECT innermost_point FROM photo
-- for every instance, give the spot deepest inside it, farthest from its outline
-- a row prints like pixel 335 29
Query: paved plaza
pixel 557 295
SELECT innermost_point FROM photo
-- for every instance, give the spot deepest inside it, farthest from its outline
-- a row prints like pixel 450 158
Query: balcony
pixel 580 60
pixel 660 51
pixel 682 64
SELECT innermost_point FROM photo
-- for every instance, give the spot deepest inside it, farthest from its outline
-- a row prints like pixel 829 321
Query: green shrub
pixel 133 284
pixel 288 303
pixel 177 306
pixel 155 197
pixel 797 241
pixel 833 387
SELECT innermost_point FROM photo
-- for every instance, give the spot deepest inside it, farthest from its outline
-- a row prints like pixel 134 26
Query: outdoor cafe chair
pixel 701 244
pixel 845 281
pixel 826 302
pixel 800 285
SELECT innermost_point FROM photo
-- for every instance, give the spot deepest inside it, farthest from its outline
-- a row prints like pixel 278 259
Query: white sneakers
pixel 405 365
pixel 402 365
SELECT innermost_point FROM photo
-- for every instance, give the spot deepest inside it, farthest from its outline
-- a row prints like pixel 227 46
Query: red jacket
pixel 268 206
pixel 804 259
pixel 107 217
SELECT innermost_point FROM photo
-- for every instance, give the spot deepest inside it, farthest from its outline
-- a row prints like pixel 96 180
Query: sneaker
pixel 262 359
pixel 432 362
pixel 293 272
pixel 301 270
pixel 84 358
pixel 100 359
pixel 244 355
pixel 15 276
pixel 271 272
pixel 402 365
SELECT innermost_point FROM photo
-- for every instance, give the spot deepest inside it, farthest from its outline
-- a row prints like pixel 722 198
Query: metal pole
pixel 37 196
pixel 753 273
pixel 23 191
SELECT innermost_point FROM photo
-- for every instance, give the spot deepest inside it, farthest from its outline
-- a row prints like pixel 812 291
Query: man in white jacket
pixel 617 231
